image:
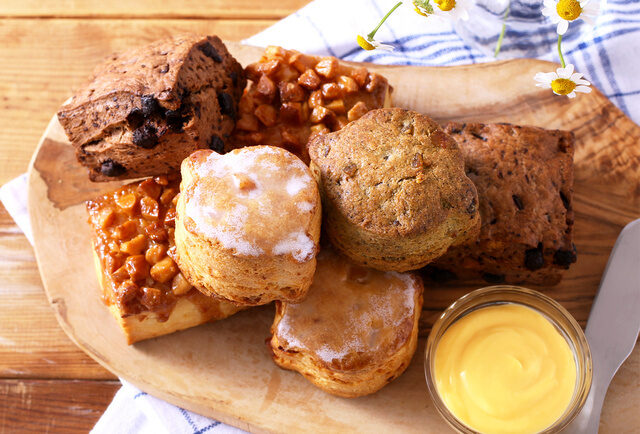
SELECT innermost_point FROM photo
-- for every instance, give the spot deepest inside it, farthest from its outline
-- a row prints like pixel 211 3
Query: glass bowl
pixel 550 309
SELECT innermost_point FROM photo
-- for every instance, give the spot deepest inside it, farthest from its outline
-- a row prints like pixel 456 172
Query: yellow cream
pixel 505 369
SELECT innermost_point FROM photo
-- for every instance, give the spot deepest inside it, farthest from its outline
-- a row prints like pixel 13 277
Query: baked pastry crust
pixel 145 110
pixel 188 311
pixel 248 224
pixel 294 96
pixel 356 331
pixel 524 177
pixel 394 190
pixel 141 285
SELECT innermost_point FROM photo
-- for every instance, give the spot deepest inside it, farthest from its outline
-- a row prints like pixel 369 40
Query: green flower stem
pixel 371 35
pixel 560 51
pixel 504 28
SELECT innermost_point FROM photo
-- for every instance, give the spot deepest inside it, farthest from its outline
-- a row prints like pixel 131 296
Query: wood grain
pixel 32 345
pixel 230 375
pixel 53 406
pixel 52 57
pixel 151 9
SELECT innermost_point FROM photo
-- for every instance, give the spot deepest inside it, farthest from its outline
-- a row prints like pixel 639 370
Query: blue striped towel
pixel 608 56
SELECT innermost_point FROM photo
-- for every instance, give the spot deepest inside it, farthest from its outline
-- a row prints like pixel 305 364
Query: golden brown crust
pixel 524 177
pixel 394 190
pixel 189 311
pixel 248 225
pixel 355 331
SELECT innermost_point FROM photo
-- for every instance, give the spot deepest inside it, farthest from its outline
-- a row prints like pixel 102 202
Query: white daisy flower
pixel 370 44
pixel 453 10
pixel 449 9
pixel 563 82
pixel 564 11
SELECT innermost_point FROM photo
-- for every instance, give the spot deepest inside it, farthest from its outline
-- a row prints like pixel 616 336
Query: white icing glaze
pixel 342 316
pixel 254 200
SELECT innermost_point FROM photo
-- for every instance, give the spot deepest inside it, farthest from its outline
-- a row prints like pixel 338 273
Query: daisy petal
pixel 575 76
pixel 544 85
pixel 572 95
pixel 579 82
pixel 565 72
pixel 563 26
pixel 583 89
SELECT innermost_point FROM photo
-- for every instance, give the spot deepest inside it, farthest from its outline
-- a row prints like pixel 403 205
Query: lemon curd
pixel 505 369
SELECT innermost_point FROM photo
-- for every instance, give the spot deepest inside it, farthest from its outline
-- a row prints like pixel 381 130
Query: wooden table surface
pixel 46 383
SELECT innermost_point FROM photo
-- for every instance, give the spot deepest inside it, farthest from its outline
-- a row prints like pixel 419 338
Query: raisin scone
pixel 524 177
pixel 147 109
pixel 394 190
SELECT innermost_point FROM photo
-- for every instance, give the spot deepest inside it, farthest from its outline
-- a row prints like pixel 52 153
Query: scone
pixel 141 284
pixel 394 190
pixel 524 177
pixel 355 332
pixel 293 96
pixel 248 224
pixel 147 109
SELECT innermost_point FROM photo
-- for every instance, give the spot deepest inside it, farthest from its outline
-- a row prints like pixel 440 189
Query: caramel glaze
pixel 133 240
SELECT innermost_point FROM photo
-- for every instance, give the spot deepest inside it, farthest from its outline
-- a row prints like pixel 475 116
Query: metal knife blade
pixel 614 323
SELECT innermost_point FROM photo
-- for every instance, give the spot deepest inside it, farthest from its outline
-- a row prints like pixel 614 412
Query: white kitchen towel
pixel 608 57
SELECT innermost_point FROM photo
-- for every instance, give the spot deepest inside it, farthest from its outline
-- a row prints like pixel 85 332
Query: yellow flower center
pixel 569 9
pixel 563 86
pixel 446 5
pixel 365 44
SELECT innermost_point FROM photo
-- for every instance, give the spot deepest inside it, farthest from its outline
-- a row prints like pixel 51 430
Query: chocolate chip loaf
pixel 145 110
pixel 524 177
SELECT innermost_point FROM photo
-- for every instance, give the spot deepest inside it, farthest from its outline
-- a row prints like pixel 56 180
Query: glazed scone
pixel 356 330
pixel 524 177
pixel 248 224
pixel 394 190
pixel 133 232
pixel 147 109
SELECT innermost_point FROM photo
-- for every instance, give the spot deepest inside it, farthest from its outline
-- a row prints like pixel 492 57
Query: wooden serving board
pixel 224 370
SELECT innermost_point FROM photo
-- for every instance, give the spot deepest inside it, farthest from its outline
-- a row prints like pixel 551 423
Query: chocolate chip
pixel 234 77
pixel 145 137
pixel 493 278
pixel 216 144
pixel 135 118
pixel 210 51
pixel 150 105
pixel 175 119
pixel 564 258
pixel 439 275
pixel 565 201
pixel 164 69
pixel 226 105
pixel 518 202
pixel 111 168
pixel 478 136
pixel 534 259
pixel 494 221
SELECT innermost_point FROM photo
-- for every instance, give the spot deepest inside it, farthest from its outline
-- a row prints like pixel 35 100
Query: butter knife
pixel 614 323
